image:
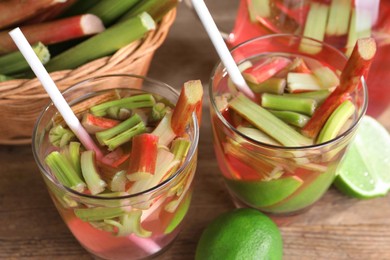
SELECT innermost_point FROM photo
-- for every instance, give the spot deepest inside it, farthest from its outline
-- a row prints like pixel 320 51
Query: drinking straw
pixel 221 47
pixel 148 245
pixel 55 95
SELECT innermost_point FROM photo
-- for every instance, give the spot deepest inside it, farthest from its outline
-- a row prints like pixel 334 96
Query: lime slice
pixel 364 171
pixel 264 193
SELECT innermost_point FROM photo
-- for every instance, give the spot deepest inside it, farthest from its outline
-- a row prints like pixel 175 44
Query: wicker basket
pixel 21 101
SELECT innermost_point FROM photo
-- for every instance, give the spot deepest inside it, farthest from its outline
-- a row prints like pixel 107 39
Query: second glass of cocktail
pixel 262 146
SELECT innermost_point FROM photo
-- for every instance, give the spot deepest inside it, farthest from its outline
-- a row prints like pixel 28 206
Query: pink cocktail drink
pixel 268 159
pixel 130 202
pixel 337 22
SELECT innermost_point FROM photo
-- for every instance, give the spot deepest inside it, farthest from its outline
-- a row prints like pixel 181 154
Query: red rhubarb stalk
pixel 143 156
pixel 357 66
pixel 15 11
pixel 264 70
pixel 94 124
pixel 190 100
pixel 55 31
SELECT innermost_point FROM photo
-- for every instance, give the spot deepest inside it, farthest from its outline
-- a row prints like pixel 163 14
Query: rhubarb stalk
pixel 143 156
pixel 55 31
pixel 190 100
pixel 357 66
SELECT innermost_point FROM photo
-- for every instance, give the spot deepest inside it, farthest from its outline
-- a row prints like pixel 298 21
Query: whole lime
pixel 240 234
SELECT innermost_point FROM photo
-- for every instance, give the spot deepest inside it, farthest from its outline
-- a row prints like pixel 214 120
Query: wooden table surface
pixel 337 227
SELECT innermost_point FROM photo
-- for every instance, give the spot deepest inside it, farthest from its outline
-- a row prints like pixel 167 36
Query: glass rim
pixel 280 147
pixel 158 187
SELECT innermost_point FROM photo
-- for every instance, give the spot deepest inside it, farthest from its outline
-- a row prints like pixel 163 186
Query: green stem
pixel 319 96
pixel 109 11
pixel 92 178
pixel 136 101
pixel 15 62
pixel 64 172
pixel 336 121
pixel 267 122
pixel 272 85
pixel 296 104
pixel 291 118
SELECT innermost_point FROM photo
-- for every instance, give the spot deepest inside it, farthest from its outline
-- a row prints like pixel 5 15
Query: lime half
pixel 364 171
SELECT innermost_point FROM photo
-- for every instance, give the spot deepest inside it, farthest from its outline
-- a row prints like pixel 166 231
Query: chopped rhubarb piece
pixel 357 66
pixel 288 103
pixel 291 118
pixel 359 27
pixel 90 173
pixel 314 28
pixel 338 19
pixel 60 136
pixel 336 121
pixel 258 8
pixel 300 82
pixel 190 100
pixel 93 124
pixel 143 156
pixel 164 130
pixel 271 85
pixel 299 65
pixel 115 158
pixel 265 69
pixel 326 77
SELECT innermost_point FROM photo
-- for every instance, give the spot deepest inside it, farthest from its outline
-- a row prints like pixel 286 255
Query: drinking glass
pixel 150 219
pixel 296 176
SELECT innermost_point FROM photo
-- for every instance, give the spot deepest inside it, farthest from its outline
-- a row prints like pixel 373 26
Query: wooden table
pixel 337 227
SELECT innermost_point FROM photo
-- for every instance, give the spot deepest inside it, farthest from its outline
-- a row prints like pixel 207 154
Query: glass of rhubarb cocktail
pixel 278 153
pixel 128 198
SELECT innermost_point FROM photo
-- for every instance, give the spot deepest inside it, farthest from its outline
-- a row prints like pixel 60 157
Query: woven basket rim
pixel 128 58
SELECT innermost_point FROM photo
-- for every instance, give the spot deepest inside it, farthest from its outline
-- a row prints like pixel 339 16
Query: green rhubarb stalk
pixel 14 62
pixel 319 96
pixel 257 135
pixel 72 154
pixel 291 118
pixel 180 147
pixel 336 121
pixel 104 43
pixel 156 8
pixel 338 19
pixel 272 85
pixel 110 11
pixel 305 106
pixel 267 122
pixel 60 136
pixel 118 182
pixel 132 102
pixel 314 28
pixel 91 176
pixel 326 77
pixel 97 214
pixel 164 130
pixel 359 27
pixel 258 8
pixel 121 133
pixel 64 171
